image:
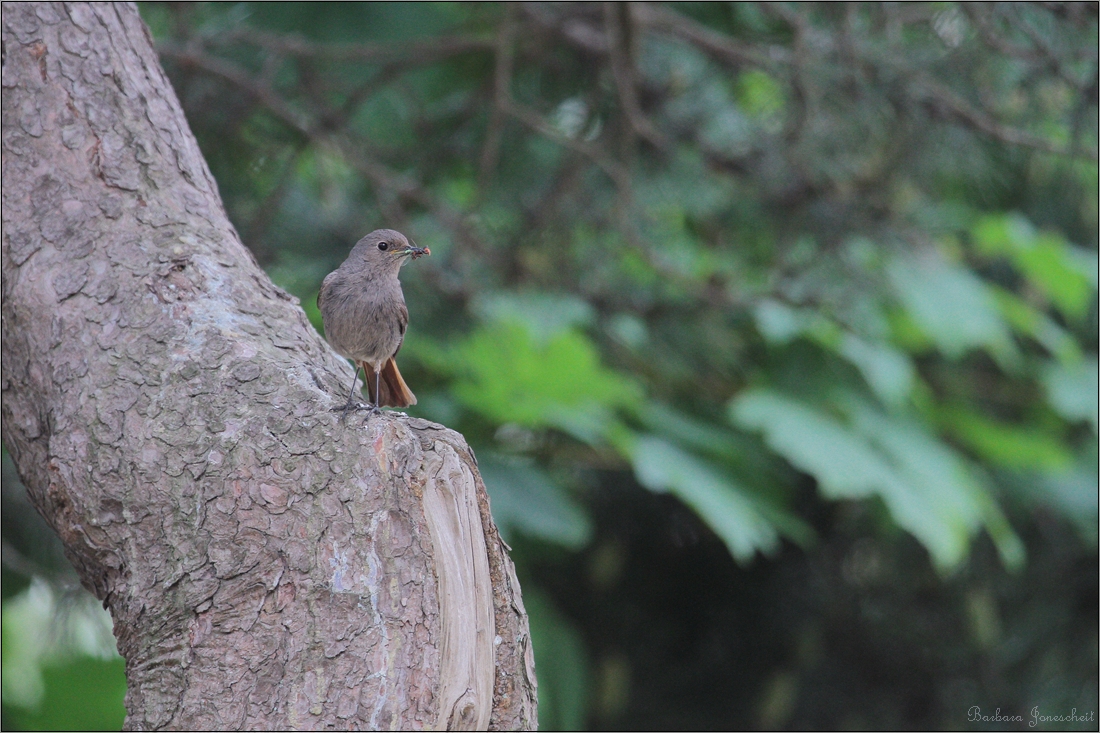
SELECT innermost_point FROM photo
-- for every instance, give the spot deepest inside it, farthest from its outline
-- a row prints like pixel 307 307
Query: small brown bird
pixel 364 314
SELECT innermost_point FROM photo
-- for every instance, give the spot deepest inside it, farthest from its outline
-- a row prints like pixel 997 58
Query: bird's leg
pixel 351 403
pixel 377 407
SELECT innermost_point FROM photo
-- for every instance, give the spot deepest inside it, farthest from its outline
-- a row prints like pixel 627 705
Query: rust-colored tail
pixel 395 393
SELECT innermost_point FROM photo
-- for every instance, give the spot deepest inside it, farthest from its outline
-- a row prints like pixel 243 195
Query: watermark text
pixel 1036 716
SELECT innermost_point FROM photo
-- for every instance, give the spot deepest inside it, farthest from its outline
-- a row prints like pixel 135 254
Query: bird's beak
pixel 415 252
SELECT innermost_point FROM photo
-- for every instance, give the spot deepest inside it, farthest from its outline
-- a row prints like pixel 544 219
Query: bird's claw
pixel 349 407
pixel 356 407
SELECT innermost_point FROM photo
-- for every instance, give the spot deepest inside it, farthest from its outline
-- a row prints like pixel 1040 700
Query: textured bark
pixel 168 407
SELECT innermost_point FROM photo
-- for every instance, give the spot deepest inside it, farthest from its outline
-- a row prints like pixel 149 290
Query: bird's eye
pixel 383 246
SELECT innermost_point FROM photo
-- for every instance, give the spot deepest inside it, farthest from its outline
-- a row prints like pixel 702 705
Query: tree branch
pixel 168 408
pixel 597 155
pixel 622 67
pixel 422 52
pixel 502 84
pixel 375 171
pixel 948 101
pixel 719 46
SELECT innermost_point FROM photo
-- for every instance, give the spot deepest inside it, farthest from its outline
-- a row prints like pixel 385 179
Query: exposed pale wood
pixel 461 562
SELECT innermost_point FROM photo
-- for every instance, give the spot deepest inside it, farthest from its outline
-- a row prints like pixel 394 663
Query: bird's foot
pixel 349 407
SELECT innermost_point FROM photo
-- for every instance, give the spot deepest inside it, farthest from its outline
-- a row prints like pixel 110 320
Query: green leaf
pixel 508 376
pixel 845 466
pixel 1086 262
pixel 1065 274
pixel 695 434
pixel 524 499
pixel 946 483
pixel 907 333
pixel 661 466
pixel 894 460
pixel 755 474
pixel 885 369
pixel 951 305
pixel 1025 319
pixel 928 462
pixel 1075 493
pixel 1046 265
pixel 778 323
pixel 888 371
pixel 1011 446
pixel 1072 390
pixel 1002 234
pixel 759 94
pixel 628 329
pixel 590 423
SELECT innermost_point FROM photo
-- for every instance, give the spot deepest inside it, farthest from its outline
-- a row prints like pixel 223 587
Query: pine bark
pixel 266 565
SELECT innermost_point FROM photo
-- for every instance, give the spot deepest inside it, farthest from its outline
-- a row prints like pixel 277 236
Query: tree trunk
pixel 266 565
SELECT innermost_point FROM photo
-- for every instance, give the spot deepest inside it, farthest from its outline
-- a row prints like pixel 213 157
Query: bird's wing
pixel 402 324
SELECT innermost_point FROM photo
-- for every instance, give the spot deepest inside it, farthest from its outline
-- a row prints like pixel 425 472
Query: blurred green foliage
pixel 825 275
pixel 61 671
pixel 83 693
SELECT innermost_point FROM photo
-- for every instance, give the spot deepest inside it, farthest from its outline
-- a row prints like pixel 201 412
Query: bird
pixel 364 315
